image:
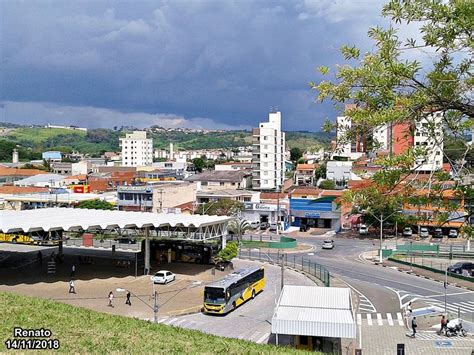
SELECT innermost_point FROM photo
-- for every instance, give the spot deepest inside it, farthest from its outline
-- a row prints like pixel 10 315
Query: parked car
pixel 255 224
pixel 328 244
pixel 304 228
pixel 163 277
pixel 363 229
pixel 459 267
pixel 273 226
pixel 453 233
pixel 264 225
pixel 424 233
pixel 438 233
pixel 407 232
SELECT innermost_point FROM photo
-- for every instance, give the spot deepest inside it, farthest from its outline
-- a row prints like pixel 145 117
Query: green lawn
pixel 84 331
pixel 37 135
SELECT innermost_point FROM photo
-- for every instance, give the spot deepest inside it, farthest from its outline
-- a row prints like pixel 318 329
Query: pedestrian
pixel 73 270
pixel 409 310
pixel 444 325
pixel 72 287
pixel 40 257
pixel 111 298
pixel 413 327
pixel 128 299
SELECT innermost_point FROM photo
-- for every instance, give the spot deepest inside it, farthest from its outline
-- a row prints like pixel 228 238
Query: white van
pixel 363 229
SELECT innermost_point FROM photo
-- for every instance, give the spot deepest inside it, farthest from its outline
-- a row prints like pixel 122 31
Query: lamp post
pixel 381 220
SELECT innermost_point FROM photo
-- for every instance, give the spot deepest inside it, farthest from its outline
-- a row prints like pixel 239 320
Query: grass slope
pixel 38 135
pixel 83 331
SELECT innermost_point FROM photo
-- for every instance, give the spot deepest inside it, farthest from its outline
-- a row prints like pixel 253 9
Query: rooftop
pixel 39 179
pixel 220 176
pixel 226 193
pixel 18 190
pixel 4 171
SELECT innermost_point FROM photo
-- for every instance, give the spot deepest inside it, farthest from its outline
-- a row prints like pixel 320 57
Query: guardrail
pixel 107 243
pixel 307 266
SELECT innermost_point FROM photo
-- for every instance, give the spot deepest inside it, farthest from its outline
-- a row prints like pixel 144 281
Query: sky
pixel 200 64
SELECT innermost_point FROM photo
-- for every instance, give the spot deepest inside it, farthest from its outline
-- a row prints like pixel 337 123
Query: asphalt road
pixel 384 288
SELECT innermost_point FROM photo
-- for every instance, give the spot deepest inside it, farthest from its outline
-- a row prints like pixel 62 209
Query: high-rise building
pixel 426 135
pixel 349 147
pixel 268 156
pixel 137 149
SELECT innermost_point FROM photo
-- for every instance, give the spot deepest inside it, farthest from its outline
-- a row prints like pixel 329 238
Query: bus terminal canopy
pixel 75 219
pixel 314 311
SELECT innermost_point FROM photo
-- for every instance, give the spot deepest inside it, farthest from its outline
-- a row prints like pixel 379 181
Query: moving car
pixel 424 233
pixel 255 224
pixel 453 233
pixel 163 277
pixel 459 267
pixel 363 229
pixel 328 244
pixel 438 233
pixel 407 232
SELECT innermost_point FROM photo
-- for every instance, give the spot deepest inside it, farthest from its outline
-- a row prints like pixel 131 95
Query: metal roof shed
pixel 314 311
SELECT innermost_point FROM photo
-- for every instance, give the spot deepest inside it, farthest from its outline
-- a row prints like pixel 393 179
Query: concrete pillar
pixel 147 251
pixel 224 241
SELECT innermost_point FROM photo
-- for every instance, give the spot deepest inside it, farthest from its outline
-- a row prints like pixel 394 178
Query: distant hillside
pixel 32 141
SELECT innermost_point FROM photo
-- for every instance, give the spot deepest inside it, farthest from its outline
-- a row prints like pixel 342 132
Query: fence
pixel 106 243
pixel 310 267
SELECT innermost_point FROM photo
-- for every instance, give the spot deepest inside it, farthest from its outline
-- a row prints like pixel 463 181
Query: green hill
pixel 32 141
pixel 84 331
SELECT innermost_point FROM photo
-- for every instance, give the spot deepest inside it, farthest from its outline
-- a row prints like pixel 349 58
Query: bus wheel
pixel 253 294
pixel 14 241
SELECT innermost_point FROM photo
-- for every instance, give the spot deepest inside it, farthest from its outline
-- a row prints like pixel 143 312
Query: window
pixel 265 138
pixel 304 196
pixel 247 199
pixel 204 183
pixel 221 184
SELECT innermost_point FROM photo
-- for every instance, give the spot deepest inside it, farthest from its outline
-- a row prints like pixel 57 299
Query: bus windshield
pixel 214 295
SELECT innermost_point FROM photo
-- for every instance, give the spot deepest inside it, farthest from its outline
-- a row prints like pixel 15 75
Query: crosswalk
pixel 377 319
pixel 256 336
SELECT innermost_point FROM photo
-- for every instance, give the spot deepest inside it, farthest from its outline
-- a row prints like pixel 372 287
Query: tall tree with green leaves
pixel 406 80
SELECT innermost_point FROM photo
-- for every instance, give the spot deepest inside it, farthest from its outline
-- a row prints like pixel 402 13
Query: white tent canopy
pixel 314 311
pixel 69 219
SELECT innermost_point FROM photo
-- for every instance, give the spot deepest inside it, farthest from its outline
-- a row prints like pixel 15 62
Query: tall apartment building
pixel 426 135
pixel 268 156
pixel 352 149
pixel 137 149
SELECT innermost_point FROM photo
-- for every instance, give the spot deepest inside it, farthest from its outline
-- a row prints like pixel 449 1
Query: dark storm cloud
pixel 206 63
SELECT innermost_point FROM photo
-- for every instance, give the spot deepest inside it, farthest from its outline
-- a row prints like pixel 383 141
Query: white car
pixel 424 233
pixel 363 229
pixel 255 224
pixel 163 277
pixel 273 227
pixel 407 232
pixel 328 244
pixel 453 233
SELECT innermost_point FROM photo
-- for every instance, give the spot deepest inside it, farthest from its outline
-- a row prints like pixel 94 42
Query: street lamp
pixel 381 220
pixel 155 301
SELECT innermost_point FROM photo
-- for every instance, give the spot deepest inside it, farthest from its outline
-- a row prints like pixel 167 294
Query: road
pixel 382 290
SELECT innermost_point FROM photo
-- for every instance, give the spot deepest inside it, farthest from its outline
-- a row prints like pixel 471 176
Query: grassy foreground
pixel 83 331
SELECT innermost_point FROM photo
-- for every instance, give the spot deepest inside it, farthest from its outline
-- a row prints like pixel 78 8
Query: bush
pixel 228 253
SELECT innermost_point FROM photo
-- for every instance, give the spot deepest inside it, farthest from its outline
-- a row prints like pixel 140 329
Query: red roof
pixel 4 171
pixel 186 206
pixel 17 190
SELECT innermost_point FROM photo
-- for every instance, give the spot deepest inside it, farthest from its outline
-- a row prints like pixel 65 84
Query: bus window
pixel 214 295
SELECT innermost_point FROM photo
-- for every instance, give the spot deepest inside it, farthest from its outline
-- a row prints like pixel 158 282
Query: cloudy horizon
pixel 197 64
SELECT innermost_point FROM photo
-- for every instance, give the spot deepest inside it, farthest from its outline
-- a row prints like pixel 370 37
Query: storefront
pixel 265 212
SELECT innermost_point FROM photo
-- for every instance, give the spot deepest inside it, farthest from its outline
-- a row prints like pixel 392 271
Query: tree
pixel 388 86
pixel 228 253
pixel 223 207
pixel 239 227
pixel 327 185
pixel 295 154
pixel 96 205
pixel 198 164
pixel 320 172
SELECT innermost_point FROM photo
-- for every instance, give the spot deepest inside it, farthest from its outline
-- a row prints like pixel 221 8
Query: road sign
pixel 443 344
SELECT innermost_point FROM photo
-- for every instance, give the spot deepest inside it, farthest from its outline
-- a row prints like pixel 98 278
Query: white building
pixel 137 149
pixel 381 137
pixel 429 138
pixel 340 172
pixel 345 147
pixel 268 161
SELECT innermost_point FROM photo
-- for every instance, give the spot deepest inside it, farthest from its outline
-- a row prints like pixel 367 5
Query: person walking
pixel 408 310
pixel 128 299
pixel 72 287
pixel 444 325
pixel 413 327
pixel 73 270
pixel 111 298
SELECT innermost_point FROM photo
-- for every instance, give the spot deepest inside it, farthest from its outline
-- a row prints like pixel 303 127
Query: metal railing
pixel 307 266
pixel 106 243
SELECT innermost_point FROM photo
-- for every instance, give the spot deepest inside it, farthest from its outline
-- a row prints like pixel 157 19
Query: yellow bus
pixel 27 239
pixel 227 294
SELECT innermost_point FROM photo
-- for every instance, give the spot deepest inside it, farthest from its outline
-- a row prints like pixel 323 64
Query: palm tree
pixel 239 227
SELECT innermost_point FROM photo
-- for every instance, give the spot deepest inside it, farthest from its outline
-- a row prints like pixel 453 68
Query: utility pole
pixel 155 305
pixel 411 256
pixel 278 210
pixel 147 251
pixel 282 256
pixel 381 236
pixel 445 289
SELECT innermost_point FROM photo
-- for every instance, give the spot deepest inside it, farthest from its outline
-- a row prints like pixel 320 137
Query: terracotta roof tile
pixel 17 190
pixel 4 171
